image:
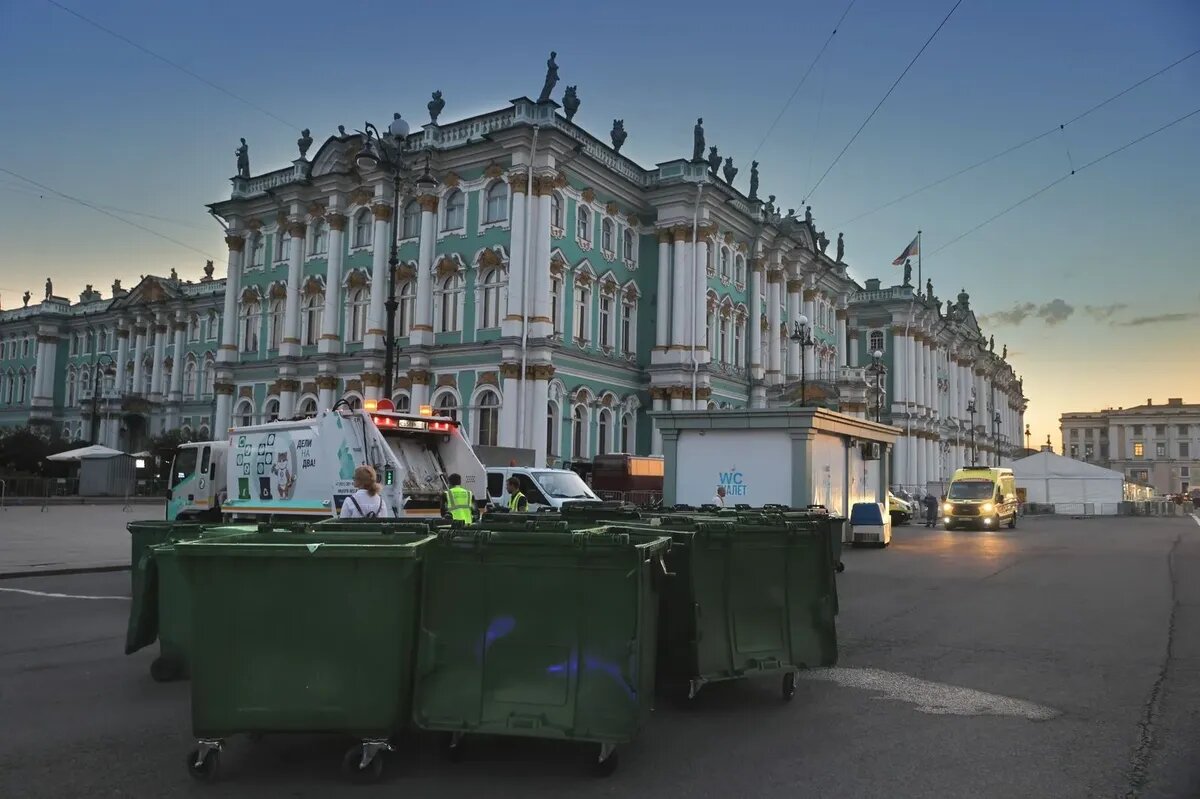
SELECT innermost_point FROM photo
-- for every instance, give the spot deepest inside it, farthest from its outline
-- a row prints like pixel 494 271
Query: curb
pixel 13 575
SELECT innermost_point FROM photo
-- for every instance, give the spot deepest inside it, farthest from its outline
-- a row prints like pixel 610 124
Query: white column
pixel 662 322
pixel 139 353
pixel 539 394
pixel 680 313
pixel 373 340
pixel 899 369
pixel 158 356
pixel 856 358
pixel 656 441
pixel 326 386
pixel 122 357
pixel 539 273
pixel 330 341
pixel 931 377
pixel 700 299
pixel 792 368
pixel 810 310
pixel 289 345
pixel 515 316
pixel 922 456
pixel 899 460
pixel 918 371
pixel 510 408
pixel 422 329
pixel 755 321
pixel 180 325
pixel 843 343
pixel 224 411
pixel 228 352
pixel 774 289
pixel 914 447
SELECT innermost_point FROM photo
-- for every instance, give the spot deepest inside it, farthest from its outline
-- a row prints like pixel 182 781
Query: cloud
pixel 1162 318
pixel 1103 313
pixel 1052 313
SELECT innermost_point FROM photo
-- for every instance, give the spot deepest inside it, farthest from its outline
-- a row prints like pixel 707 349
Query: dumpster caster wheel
pixel 452 746
pixel 606 766
pixel 841 567
pixel 356 772
pixel 165 669
pixel 203 765
pixel 789 686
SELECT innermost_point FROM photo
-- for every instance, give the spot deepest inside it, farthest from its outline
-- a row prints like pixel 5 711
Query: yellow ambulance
pixel 982 497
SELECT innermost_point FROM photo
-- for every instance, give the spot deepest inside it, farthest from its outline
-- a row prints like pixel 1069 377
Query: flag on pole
pixel 914 248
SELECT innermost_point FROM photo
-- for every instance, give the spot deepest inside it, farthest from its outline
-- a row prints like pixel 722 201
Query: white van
pixel 544 489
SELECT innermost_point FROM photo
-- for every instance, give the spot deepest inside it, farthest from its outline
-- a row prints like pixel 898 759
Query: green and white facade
pixel 551 293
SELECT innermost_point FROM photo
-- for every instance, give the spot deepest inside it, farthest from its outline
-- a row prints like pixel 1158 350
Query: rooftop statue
pixel 243 160
pixel 698 140
pixel 435 107
pixel 753 180
pixel 571 102
pixel 618 134
pixel 551 78
pixel 303 143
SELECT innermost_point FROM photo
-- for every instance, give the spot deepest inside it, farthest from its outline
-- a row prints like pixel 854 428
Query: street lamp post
pixel 94 432
pixel 879 370
pixel 997 421
pixel 971 410
pixel 802 335
pixel 1026 436
pixel 387 153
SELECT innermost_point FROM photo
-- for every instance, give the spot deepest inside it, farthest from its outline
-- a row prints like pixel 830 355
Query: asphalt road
pixel 1061 659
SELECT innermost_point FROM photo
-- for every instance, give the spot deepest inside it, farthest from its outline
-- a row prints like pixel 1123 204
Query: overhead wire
pixel 100 210
pixel 1054 183
pixel 32 192
pixel 803 78
pixel 1024 143
pixel 883 100
pixel 190 73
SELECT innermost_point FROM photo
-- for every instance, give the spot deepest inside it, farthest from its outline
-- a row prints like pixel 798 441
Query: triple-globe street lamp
pixel 802 335
pixel 879 370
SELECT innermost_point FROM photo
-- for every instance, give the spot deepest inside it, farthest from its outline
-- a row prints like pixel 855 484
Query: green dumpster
pixel 540 636
pixel 754 596
pixel 302 632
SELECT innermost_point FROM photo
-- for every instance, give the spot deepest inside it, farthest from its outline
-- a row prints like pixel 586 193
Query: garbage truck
pixel 304 468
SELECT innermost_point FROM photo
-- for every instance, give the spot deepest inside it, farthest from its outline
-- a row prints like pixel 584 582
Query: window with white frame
pixel 208 375
pixel 275 323
pixel 283 245
pixel 579 432
pixel 308 407
pixel 450 297
pixel 556 302
pixel 189 378
pixel 710 329
pixel 726 271
pixel 739 269
pixel 402 401
pixel 875 341
pixel 551 428
pixel 723 344
pixel 583 224
pixel 455 211
pixel 318 237
pixel 363 222
pixel 583 307
pixel 214 325
pixel 404 308
pixel 487 418
pixel 310 318
pixel 496 203
pixel 447 405
pixel 627 432
pixel 271 410
pixel 603 431
pixel 258 251
pixel 739 336
pixel 607 236
pixel 358 303
pixel 606 319
pixel 251 319
pixel 556 211
pixel 244 413
pixel 628 324
pixel 194 328
pixel 629 246
pixel 411 228
pixel 490 299
pixel 70 388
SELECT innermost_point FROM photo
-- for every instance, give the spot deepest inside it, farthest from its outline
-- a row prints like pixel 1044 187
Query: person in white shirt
pixel 719 499
pixel 366 502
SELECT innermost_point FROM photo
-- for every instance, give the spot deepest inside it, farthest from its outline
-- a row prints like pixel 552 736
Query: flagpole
pixel 920 279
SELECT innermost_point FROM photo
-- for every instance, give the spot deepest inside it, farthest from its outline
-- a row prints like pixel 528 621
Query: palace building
pixel 549 292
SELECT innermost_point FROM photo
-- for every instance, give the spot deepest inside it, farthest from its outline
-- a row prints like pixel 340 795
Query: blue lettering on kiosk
pixel 733 481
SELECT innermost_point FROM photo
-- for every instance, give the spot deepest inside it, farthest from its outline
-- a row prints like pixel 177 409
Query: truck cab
pixel 982 497
pixel 197 481
pixel 544 489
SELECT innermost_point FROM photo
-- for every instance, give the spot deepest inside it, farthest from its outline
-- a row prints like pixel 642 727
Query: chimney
pixel 1175 401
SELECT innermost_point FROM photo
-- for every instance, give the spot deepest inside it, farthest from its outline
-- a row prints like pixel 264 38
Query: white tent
pixel 1071 486
pixel 94 451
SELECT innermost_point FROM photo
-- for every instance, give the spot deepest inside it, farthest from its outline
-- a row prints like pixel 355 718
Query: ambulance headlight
pixel 988 507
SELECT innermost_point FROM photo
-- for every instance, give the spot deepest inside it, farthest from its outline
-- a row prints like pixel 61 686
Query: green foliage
pixel 23 452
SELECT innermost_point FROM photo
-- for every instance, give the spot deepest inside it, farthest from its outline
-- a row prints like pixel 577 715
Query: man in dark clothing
pixel 931 510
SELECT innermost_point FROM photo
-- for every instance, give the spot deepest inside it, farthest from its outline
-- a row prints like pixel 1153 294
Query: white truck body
pixel 305 467
pixel 544 489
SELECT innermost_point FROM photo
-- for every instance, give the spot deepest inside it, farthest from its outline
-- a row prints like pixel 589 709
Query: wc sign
pixel 733 481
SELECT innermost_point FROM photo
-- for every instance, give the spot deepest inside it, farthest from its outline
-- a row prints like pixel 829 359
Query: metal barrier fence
pixel 14 489
pixel 642 499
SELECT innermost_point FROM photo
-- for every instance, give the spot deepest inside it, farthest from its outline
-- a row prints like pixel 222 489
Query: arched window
pixel 70 387
pixel 578 432
pixel 875 341
pixel 583 224
pixel 627 433
pixel 308 407
pixel 551 428
pixel 353 400
pixel 319 236
pixel 271 410
pixel 208 375
pixel 258 250
pixel 739 269
pixel 451 294
pixel 607 236
pixel 362 228
pixel 629 246
pixel 128 387
pixel 356 323
pixel 275 323
pixel 723 344
pixel 310 318
pixel 189 378
pixel 628 329
pixel 22 386
pixel 496 198
pixel 251 321
pixel 490 300
pixel 606 319
pixel 244 414
pixel 214 325
pixel 487 423
pixel 556 211
pixel 725 267
pixel 85 384
pixel 447 405
pixel 402 401
pixel 583 304
pixel 194 328
pixel 603 431
pixel 456 207
pixel 147 376
pixel 283 245
pixel 412 221
pixel 404 311
pixel 556 306
pixel 739 335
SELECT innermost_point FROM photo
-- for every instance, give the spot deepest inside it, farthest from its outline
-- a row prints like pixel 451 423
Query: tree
pixel 23 452
pixel 162 449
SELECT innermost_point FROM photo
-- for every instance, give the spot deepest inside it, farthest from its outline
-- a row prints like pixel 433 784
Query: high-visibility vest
pixel 460 503
pixel 514 502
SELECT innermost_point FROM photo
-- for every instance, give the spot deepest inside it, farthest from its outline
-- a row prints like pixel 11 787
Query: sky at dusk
pixel 1094 285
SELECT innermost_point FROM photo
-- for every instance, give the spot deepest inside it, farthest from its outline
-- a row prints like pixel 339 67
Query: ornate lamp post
pixel 1026 436
pixel 971 410
pixel 387 153
pixel 97 380
pixel 802 335
pixel 879 370
pixel 997 421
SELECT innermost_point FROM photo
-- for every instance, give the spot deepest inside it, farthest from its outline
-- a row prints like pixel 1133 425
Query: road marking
pixel 59 596
pixel 932 697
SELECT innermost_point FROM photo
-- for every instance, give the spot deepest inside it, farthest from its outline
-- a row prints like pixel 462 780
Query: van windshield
pixel 185 464
pixel 563 485
pixel 971 489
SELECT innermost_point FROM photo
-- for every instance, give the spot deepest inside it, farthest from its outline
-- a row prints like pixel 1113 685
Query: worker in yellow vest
pixel 517 503
pixel 459 502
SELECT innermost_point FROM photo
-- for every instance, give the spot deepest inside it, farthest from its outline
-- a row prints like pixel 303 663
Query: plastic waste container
pixel 540 636
pixel 755 596
pixel 302 632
